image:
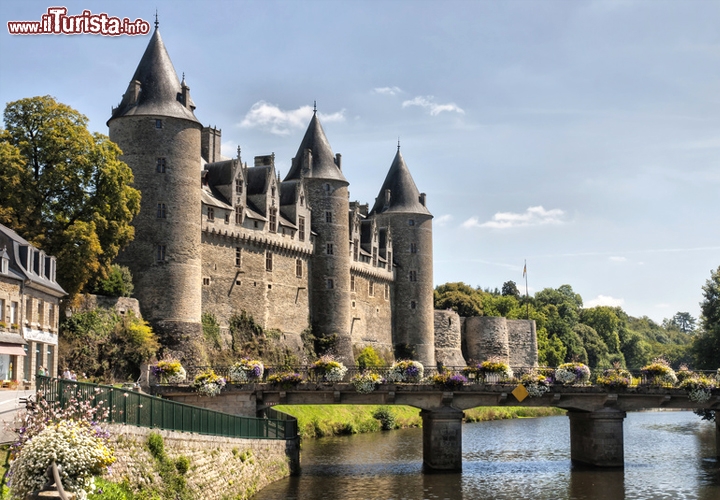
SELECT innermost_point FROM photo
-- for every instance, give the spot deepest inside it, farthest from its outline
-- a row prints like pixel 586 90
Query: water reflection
pixel 668 455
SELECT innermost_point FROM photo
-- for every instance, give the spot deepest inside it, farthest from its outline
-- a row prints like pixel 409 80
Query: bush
pixel 156 445
pixel 368 358
pixel 182 464
pixel 118 283
pixel 386 417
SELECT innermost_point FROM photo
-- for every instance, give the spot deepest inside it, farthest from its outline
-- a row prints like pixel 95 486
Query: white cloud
pixel 430 104
pixel 271 118
pixel 443 220
pixel 388 90
pixel 618 259
pixel 533 216
pixel 605 300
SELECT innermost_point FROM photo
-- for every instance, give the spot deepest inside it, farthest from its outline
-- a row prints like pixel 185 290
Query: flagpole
pixel 527 299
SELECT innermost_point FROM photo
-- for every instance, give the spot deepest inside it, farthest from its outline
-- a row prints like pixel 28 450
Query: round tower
pixel 158 133
pixel 401 207
pixel 327 192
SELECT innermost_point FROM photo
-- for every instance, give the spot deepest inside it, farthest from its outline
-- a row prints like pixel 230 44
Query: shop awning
pixel 12 349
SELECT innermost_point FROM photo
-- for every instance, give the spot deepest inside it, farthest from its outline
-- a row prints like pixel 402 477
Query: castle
pixel 215 235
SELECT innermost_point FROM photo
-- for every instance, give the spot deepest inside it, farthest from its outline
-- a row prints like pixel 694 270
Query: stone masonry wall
pixel 523 342
pixel 487 337
pixel 371 315
pixel 448 339
pixel 219 467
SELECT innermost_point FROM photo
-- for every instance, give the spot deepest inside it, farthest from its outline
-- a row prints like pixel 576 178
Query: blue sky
pixel 582 136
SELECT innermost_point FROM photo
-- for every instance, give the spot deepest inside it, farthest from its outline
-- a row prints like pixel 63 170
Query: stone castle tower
pixel 159 135
pixel 218 237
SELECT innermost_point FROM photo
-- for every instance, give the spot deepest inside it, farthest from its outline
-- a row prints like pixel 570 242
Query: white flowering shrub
pixel 366 382
pixel 328 369
pixel 536 390
pixel 572 373
pixel 209 383
pixel 80 451
pixel 406 371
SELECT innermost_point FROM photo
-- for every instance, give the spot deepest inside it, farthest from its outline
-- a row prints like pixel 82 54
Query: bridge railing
pixel 308 375
pixel 133 408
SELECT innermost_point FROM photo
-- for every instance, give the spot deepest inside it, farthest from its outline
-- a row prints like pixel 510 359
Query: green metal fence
pixel 133 408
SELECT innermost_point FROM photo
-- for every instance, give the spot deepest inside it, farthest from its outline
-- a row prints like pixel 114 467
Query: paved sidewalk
pixel 9 405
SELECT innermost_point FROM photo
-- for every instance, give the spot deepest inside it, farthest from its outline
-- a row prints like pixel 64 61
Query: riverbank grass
pixel 334 420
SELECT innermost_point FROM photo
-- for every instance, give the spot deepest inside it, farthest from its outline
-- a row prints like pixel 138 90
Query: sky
pixel 581 137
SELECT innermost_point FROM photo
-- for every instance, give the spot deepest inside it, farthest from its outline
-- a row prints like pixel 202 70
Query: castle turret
pixel 156 128
pixel 401 207
pixel 327 194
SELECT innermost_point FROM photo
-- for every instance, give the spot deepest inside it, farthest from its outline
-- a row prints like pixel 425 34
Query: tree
pixel 64 189
pixel 707 345
pixel 606 323
pixel 118 283
pixel 684 322
pixel 461 298
pixel 510 288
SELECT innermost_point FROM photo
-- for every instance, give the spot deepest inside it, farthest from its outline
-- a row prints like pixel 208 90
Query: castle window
pixel 273 191
pixel 374 257
pixel 330 284
pixel 301 228
pixel 268 261
pixel 328 217
pixel 413 247
pixel 160 166
pixel 371 288
pixel 387 291
pixel 161 210
pixel 356 249
pixel 413 276
pixel 298 268
pixel 273 220
pixel 353 304
pixel 238 185
pixel 227 217
pixel 160 253
pixel 389 260
pixel 352 283
pixel 329 248
pixel 238 214
pixel 411 222
pixel 206 281
pixel 158 124
pixel 211 213
pixel 413 305
pixel 238 256
pixel 327 188
pixel 302 201
pixel 255 224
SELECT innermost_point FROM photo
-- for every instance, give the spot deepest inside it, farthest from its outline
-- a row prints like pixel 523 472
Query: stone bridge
pixel 596 414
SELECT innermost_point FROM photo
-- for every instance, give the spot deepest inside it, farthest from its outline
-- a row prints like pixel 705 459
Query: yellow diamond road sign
pixel 520 393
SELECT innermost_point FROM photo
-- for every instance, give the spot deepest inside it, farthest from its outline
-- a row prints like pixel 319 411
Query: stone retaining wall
pixel 219 467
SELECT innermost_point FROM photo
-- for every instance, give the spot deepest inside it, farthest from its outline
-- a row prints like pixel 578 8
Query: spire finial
pixel 157 23
pixel 398 143
pixel 238 152
pixel 314 107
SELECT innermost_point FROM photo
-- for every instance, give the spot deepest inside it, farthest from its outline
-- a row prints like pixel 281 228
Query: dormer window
pixel 211 214
pixel 272 190
pixel 302 201
pixel 273 220
pixel 238 185
pixel 4 263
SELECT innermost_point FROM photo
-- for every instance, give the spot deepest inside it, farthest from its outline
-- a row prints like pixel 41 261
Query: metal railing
pixel 141 410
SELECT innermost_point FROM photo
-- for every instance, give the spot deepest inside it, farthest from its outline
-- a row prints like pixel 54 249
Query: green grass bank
pixel 333 420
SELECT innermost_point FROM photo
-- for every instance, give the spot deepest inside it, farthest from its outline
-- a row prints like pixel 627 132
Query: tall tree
pixel 64 189
pixel 461 298
pixel 707 345
pixel 684 322
pixel 510 288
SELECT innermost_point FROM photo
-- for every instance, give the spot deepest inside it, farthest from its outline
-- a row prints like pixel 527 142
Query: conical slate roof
pixel 404 194
pixel 159 86
pixel 323 160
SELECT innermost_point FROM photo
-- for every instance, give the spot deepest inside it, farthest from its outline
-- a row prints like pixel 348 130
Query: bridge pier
pixel 596 438
pixel 442 439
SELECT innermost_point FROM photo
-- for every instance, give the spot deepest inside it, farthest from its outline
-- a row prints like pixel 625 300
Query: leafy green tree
pixel 597 351
pixel 118 283
pixel 64 189
pixel 707 345
pixel 510 288
pixel 369 358
pixel 606 323
pixel 461 298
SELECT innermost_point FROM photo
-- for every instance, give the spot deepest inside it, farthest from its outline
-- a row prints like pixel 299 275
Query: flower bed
pixel 406 371
pixel 449 380
pixel 698 387
pixel 659 372
pixel 572 374
pixel 328 369
pixel 536 383
pixel 286 380
pixel 614 378
pixel 169 371
pixel 209 383
pixel 366 382
pixel 496 370
pixel 247 370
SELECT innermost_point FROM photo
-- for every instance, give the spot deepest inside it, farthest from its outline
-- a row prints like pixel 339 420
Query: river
pixel 668 455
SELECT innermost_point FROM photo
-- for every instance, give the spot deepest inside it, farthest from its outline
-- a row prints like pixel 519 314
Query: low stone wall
pixel 219 467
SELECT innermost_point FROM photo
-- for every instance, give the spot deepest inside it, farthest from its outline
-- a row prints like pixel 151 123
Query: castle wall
pixel 523 342
pixel 371 315
pixel 487 337
pixel 448 338
pixel 276 299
